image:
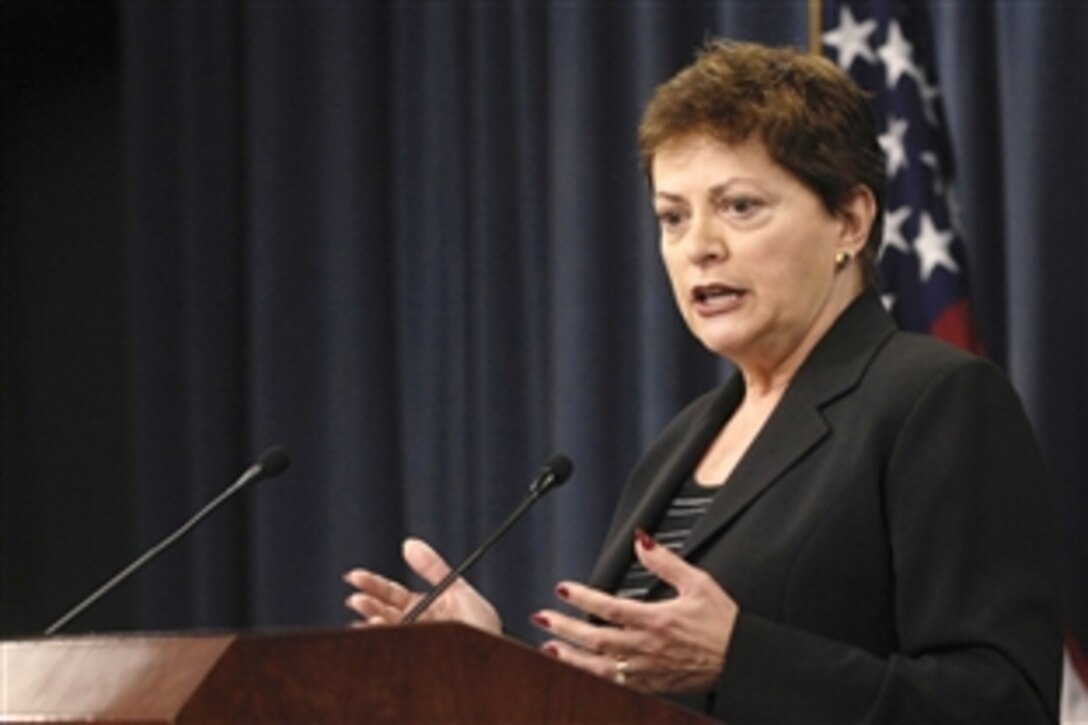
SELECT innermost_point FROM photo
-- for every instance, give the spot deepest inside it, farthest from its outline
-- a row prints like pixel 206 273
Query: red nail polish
pixel 563 592
pixel 541 621
pixel 645 540
pixel 551 650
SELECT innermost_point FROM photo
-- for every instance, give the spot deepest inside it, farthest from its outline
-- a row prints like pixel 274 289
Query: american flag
pixel 885 47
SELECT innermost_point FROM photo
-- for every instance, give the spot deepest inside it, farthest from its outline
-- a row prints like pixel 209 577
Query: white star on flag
pixel 933 163
pixel 929 95
pixel 934 248
pixel 851 38
pixel 893 231
pixel 893 143
pixel 897 54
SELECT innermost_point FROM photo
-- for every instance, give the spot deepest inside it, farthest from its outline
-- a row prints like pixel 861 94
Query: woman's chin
pixel 727 344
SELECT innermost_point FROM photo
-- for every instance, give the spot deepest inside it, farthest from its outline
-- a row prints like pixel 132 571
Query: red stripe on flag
pixel 955 325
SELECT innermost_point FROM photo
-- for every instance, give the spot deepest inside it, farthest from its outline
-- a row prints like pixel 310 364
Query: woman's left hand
pixel 674 645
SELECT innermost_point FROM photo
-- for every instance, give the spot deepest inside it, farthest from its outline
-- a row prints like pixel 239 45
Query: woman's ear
pixel 857 213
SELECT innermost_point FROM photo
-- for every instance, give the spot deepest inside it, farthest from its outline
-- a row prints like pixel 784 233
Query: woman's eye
pixel 742 205
pixel 669 218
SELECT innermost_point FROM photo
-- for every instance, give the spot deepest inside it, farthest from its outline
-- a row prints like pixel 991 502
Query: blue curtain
pixel 411 243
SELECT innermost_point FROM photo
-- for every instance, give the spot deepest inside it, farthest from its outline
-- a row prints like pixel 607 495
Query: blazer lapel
pixel 795 428
pixel 653 484
pixel 797 425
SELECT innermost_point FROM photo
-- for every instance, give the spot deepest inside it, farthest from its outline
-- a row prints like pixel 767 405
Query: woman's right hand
pixel 379 600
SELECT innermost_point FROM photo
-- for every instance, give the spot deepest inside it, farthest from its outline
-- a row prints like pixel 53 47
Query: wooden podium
pixel 417 673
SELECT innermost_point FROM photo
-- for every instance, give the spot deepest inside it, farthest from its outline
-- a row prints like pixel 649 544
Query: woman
pixel 854 526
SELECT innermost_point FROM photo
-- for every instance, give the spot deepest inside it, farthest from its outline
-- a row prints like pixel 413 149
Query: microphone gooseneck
pixel 272 463
pixel 555 473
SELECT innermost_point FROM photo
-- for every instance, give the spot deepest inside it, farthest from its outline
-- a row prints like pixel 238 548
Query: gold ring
pixel 620 677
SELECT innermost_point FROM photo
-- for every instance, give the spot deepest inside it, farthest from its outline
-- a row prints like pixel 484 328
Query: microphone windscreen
pixel 561 468
pixel 274 461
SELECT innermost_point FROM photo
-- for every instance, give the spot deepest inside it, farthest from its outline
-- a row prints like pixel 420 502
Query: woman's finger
pixel 624 671
pixel 606 607
pixel 373 609
pixel 667 565
pixel 602 640
pixel 424 560
pixel 597 664
pixel 379 587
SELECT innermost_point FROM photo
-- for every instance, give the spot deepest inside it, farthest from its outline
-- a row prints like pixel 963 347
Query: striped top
pixel 691 501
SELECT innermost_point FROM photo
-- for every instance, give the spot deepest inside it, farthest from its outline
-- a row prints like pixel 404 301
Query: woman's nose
pixel 706 242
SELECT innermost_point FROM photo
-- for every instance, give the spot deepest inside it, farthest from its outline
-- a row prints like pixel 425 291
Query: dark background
pixel 411 243
pixel 66 360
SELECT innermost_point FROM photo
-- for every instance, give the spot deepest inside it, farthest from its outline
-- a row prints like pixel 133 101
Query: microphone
pixel 272 463
pixel 555 473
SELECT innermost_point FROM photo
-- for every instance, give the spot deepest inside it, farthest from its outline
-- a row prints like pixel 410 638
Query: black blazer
pixel 887 537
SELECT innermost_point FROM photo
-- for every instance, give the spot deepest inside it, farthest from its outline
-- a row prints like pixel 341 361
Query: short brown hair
pixel 814 121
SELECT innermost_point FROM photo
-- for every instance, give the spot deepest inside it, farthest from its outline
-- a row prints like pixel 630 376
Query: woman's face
pixel 750 250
